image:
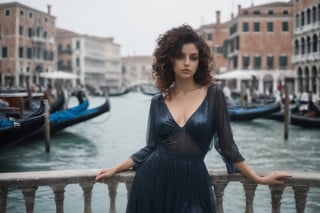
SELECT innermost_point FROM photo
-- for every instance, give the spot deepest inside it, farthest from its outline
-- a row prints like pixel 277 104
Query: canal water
pixel 114 136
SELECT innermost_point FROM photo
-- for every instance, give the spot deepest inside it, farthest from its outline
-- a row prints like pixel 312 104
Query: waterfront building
pixel 216 35
pixel 95 60
pixel 27 44
pixel 137 70
pixel 260 42
pixel 306 46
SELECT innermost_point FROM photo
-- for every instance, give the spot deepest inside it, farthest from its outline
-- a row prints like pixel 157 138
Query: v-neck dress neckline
pixel 192 114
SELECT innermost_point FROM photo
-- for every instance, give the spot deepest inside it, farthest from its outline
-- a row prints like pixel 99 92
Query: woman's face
pixel 186 64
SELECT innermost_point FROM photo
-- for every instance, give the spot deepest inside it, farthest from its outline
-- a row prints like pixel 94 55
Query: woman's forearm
pixel 125 165
pixel 244 168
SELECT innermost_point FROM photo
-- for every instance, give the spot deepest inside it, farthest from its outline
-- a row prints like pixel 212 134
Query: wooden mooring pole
pixel 47 125
pixel 286 112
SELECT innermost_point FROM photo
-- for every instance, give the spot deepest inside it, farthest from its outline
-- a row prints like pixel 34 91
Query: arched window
pixel 296 47
pixel 315 43
pixel 297 20
pixel 308 16
pixel 303 46
pixel 308 44
pixel 314 14
pixel 302 18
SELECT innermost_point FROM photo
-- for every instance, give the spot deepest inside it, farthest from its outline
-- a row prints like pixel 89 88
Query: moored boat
pixel 17 130
pixel 72 116
pixel 304 121
pixel 240 113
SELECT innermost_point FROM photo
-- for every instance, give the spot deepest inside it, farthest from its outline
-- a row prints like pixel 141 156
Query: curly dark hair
pixel 169 46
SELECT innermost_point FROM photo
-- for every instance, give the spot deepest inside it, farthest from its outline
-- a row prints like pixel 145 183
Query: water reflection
pixel 66 149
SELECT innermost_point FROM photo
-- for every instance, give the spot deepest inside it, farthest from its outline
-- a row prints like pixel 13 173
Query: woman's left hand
pixel 274 178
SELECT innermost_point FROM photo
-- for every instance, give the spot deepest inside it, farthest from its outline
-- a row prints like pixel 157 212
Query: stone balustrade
pixel 28 183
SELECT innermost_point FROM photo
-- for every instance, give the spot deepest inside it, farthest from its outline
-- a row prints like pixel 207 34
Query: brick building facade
pixel 27 44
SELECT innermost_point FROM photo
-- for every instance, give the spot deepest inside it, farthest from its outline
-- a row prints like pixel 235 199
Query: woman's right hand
pixel 109 172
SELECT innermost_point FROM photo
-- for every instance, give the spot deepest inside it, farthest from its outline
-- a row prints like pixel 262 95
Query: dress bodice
pixel 208 124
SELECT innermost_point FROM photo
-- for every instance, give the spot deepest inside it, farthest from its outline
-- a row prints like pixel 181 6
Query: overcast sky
pixel 135 24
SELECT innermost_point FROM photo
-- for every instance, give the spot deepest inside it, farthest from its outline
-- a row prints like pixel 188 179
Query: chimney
pixel 49 9
pixel 232 16
pixel 218 17
pixel 239 9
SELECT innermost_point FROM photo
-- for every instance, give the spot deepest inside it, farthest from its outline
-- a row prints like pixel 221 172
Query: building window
pixel 78 44
pixel 29 53
pixel 257 62
pixel 20 52
pixel 30 32
pixel 245 26
pixel 30 15
pixel 45 19
pixel 78 62
pixel 21 12
pixel 270 62
pixel 4 52
pixel 45 34
pixel 270 26
pixel 21 30
pixel 285 12
pixel 256 27
pixel 246 62
pixel 283 61
pixel 45 55
pixel 7 12
pixel 285 26
pixel 209 36
pixel 256 12
pixel 59 48
pixel 219 49
pixel 270 12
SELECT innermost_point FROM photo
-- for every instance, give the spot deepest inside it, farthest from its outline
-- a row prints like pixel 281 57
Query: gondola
pixel 279 116
pixel 304 121
pixel 149 90
pixel 17 130
pixel 240 113
pixel 72 116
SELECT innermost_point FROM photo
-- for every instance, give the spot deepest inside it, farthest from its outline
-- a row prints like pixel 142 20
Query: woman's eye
pixel 194 58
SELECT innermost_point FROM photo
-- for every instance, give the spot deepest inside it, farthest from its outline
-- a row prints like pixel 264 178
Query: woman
pixel 184 119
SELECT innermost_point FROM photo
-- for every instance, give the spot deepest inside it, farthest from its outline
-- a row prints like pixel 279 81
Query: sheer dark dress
pixel 171 176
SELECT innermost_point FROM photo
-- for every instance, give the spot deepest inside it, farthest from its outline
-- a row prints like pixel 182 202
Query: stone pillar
pixel 276 196
pixel 219 187
pixel 29 193
pixel 3 199
pixel 128 186
pixel 112 187
pixel 300 195
pixel 59 196
pixel 249 188
pixel 87 194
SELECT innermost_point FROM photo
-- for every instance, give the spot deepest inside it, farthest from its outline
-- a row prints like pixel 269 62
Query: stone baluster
pixel 3 199
pixel 300 195
pixel 58 190
pixel 249 189
pixel 29 193
pixel 112 187
pixel 276 196
pixel 128 186
pixel 219 187
pixel 87 195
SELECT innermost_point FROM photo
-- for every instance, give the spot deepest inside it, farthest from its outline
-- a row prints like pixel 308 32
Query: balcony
pixel 28 183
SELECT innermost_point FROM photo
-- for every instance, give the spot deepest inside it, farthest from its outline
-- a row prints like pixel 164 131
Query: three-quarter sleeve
pixel 223 139
pixel 140 156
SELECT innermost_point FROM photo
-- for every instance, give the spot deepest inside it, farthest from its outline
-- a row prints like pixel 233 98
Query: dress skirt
pixel 168 182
